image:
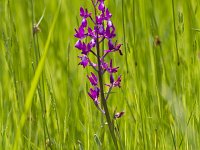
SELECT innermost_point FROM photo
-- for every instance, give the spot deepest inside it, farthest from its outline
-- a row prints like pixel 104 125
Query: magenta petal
pixel 84 60
pixel 101 30
pixel 111 78
pixel 86 48
pixel 108 14
pixel 117 82
pixel 84 23
pixel 91 33
pixel 111 69
pixel 82 12
pixel 109 23
pixel 107 51
pixel 93 79
pixel 99 19
pixel 92 43
pixel 78 44
pixel 110 32
pixel 101 6
pixel 110 45
pixel 104 65
pixel 94 94
pixel 80 33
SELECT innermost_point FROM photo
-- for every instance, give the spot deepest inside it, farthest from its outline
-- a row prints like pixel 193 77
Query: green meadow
pixel 44 102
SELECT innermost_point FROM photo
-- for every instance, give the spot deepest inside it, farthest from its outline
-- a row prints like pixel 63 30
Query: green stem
pixel 103 100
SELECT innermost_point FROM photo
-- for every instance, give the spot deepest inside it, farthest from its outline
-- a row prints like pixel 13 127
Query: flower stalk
pixel 103 99
pixel 102 30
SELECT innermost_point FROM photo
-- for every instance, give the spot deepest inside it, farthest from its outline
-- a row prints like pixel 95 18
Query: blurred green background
pixel 160 70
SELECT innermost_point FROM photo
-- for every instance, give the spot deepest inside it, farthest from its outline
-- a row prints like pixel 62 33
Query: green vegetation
pixel 43 92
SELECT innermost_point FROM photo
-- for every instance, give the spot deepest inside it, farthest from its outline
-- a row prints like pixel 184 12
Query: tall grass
pixel 46 106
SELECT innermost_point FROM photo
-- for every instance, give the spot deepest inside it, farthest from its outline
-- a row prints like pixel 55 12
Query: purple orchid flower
pixel 117 82
pixel 94 94
pixel 90 38
pixel 111 69
pixel 101 5
pixel 84 60
pixel 83 47
pixel 93 79
pixel 113 48
pixel 84 13
pixel 114 83
pixel 80 33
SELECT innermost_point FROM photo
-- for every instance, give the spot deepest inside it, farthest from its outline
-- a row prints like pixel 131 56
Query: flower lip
pixel 79 44
pixel 93 79
pixel 94 94
pixel 86 48
pixel 84 60
pixel 84 23
pixel 101 6
pixel 80 33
